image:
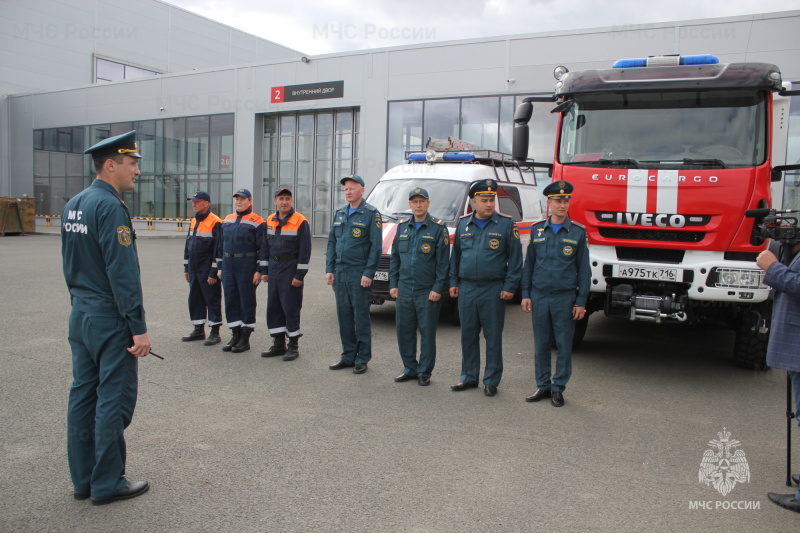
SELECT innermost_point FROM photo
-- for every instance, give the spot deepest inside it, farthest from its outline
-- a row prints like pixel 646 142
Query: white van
pixel 447 177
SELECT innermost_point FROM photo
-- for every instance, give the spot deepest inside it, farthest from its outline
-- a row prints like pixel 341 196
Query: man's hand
pixel 186 276
pixel 141 345
pixel 219 274
pixel 211 281
pixel 256 278
pixel 434 296
pixel 365 281
pixel 329 278
pixel 505 295
pixel 265 278
pixel 393 293
pixel 578 312
pixel 527 305
pixel 453 292
pixel 765 259
pixel 296 282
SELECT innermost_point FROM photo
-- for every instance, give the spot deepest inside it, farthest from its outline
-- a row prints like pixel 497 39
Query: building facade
pixel 303 122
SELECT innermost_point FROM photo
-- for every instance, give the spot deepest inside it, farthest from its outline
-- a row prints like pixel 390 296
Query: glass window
pixel 174 145
pixel 109 70
pixel 441 119
pixel 405 130
pixel 136 72
pixel 791 179
pixel 479 121
pixel 197 131
pixel 221 142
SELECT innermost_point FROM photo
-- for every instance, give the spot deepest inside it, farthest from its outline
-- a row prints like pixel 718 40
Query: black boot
pixel 243 344
pixel 235 333
pixel 292 353
pixel 278 347
pixel 198 334
pixel 213 337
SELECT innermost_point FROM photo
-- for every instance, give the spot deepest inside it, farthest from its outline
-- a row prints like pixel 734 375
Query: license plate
pixel 651 273
pixel 381 276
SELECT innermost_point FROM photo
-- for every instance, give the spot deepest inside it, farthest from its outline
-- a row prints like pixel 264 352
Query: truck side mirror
pixel 519 143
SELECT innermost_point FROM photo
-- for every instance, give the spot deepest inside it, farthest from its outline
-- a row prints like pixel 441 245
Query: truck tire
pixel 750 347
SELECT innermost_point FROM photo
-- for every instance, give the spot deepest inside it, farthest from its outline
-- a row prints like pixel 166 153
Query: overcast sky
pixel 325 26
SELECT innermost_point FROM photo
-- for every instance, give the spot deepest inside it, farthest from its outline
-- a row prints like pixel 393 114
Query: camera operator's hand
pixel 765 259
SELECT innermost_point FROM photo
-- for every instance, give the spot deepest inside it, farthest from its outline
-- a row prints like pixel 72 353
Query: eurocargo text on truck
pixel 446 170
pixel 667 153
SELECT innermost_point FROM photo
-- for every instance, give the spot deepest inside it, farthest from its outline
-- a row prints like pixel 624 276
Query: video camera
pixel 775 225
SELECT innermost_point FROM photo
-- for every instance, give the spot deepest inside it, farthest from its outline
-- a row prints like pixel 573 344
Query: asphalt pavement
pixel 235 442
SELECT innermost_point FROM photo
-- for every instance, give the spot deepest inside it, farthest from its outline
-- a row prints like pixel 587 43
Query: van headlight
pixel 737 278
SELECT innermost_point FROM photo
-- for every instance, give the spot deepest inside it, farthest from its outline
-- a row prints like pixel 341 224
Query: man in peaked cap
pixel 351 259
pixel 555 286
pixel 107 330
pixel 200 270
pixel 484 274
pixel 418 274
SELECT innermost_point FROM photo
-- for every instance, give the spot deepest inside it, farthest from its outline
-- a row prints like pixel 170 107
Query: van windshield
pixel 448 198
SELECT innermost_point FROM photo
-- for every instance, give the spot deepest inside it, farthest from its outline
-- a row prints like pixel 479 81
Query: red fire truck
pixel 666 154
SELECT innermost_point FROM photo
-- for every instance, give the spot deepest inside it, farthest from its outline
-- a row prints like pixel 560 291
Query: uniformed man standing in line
pixel 353 254
pixel 107 329
pixel 418 274
pixel 237 258
pixel 555 285
pixel 485 271
pixel 200 269
pixel 285 255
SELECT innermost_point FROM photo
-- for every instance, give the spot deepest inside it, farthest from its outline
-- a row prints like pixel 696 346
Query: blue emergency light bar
pixel 443 156
pixel 654 61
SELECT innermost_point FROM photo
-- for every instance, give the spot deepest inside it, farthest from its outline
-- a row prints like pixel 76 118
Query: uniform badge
pixel 568 250
pixel 540 230
pixel 425 248
pixel 515 231
pixel 494 244
pixel 378 221
pixel 356 232
pixel 124 235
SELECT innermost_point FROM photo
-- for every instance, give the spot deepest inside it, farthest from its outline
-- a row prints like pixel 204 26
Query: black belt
pixel 248 254
pixel 284 257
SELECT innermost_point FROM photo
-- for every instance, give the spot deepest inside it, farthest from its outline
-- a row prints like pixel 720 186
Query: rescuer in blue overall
pixel 555 286
pixel 200 270
pixel 485 270
pixel 237 258
pixel 107 330
pixel 354 250
pixel 418 274
pixel 285 254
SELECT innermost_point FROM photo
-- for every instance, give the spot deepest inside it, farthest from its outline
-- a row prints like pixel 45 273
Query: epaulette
pixel 503 214
pixel 465 216
pixel 369 207
pixel 578 224
pixel 438 221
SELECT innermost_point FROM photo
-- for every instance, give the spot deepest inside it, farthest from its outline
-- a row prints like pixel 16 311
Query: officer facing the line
pixel 107 330
pixel 555 285
pixel 284 256
pixel 200 268
pixel 418 274
pixel 237 258
pixel 484 273
pixel 354 250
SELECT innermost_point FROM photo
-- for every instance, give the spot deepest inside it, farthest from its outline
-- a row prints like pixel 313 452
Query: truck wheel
pixel 750 347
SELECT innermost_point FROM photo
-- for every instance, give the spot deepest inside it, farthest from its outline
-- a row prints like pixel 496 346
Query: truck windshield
pixel 712 129
pixel 447 197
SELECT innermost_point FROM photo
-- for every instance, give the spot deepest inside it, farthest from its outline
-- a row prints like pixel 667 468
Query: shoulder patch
pixel 465 216
pixel 503 214
pixel 438 221
pixel 370 207
pixel 578 224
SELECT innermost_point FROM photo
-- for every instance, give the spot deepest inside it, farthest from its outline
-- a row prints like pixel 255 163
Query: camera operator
pixel 783 351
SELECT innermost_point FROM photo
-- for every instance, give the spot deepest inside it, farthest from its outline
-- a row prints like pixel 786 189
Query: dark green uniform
pixel 484 263
pixel 354 250
pixel 419 265
pixel 556 277
pixel 101 269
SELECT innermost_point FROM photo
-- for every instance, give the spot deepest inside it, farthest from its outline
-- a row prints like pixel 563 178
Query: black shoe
pixel 424 381
pixel 243 344
pixel 292 352
pixel 787 501
pixel 131 490
pixel 463 385
pixel 213 337
pixel 404 377
pixel 489 390
pixel 540 394
pixel 235 332
pixel 278 347
pixel 340 365
pixel 558 399
pixel 81 495
pixel 198 334
pixel 360 368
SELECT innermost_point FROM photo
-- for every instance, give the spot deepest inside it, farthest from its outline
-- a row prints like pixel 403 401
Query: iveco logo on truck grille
pixel 661 220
